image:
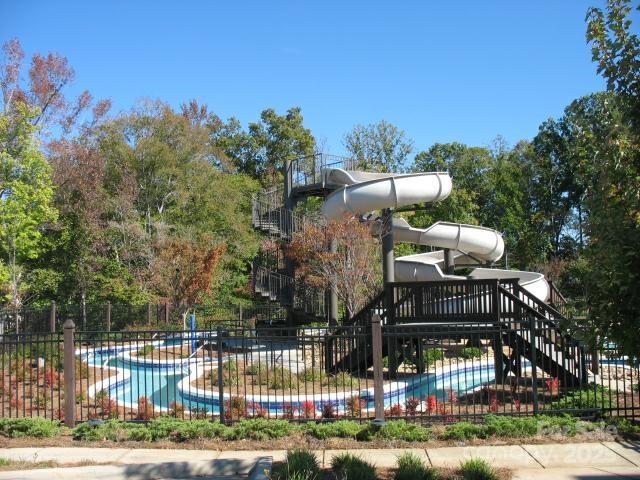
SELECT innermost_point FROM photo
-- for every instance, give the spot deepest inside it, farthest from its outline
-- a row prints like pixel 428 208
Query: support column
pixel 333 296
pixel 449 262
pixel 388 270
pixel 388 274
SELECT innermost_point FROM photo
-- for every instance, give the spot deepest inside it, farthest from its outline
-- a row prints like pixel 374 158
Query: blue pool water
pixel 160 382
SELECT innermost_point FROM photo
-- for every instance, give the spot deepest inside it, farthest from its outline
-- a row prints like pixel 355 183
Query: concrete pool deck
pixel 551 461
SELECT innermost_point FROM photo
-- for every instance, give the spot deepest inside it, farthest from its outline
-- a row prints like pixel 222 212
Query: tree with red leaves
pixel 352 271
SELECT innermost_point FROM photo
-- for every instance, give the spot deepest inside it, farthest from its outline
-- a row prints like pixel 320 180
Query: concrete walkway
pixel 580 461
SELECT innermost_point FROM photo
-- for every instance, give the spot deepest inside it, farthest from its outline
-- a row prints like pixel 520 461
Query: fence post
pixel 534 360
pixel 220 375
pixel 69 374
pixel 108 316
pixel 498 347
pixel 378 386
pixel 52 317
pixel 166 313
pixel 148 314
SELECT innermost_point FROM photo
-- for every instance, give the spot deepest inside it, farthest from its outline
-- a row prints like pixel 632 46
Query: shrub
pixel 349 466
pixel 339 380
pixel 29 427
pixel 464 431
pixel 145 409
pixel 329 411
pixel 163 427
pixel 469 353
pixel 281 379
pixel 477 469
pixel 393 411
pixel 309 375
pixel 261 429
pixel 340 428
pixel 235 408
pixel 300 464
pixel 411 405
pixel 229 374
pixel 403 430
pixel 596 399
pixel 308 409
pixel 355 406
pixel 146 350
pixel 197 429
pixel 411 467
pixel 114 430
pixel 432 355
pixel 176 410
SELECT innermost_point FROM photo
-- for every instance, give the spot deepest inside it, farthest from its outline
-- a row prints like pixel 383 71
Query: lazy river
pixel 165 382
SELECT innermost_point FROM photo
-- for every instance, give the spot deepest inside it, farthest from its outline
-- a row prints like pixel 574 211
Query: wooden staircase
pixel 526 328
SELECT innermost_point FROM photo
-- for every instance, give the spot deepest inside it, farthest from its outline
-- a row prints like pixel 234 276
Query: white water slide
pixel 359 193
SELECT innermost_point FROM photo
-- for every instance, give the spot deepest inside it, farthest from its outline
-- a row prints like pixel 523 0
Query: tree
pixel 379 147
pixel 26 193
pixel 263 149
pixel 184 269
pixel 352 271
pixel 610 166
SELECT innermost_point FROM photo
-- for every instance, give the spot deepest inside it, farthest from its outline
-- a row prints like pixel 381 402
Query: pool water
pixel 160 384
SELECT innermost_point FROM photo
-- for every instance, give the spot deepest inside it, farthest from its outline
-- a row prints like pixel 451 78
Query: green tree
pixel 262 150
pixel 610 166
pixel 26 193
pixel 378 147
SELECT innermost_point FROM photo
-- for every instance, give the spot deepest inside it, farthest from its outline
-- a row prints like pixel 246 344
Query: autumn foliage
pixel 351 269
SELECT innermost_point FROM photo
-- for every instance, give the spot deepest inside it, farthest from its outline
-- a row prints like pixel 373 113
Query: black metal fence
pixel 113 317
pixel 430 373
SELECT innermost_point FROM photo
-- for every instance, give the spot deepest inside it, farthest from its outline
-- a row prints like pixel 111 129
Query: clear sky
pixel 441 71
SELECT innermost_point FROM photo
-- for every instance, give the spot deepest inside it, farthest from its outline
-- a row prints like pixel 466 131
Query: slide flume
pixel 359 193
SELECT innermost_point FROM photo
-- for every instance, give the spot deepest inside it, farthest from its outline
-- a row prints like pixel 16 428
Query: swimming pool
pixel 164 382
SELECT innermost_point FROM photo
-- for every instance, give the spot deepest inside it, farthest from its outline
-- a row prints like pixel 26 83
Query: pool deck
pixel 550 461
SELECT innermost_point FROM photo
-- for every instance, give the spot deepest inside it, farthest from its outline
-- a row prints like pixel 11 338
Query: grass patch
pixel 477 469
pixel 300 464
pixel 349 466
pixel 411 467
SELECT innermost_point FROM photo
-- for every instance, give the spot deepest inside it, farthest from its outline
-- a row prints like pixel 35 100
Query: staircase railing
pixel 307 171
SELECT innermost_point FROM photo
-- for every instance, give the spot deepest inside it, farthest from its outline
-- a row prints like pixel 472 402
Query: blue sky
pixel 441 71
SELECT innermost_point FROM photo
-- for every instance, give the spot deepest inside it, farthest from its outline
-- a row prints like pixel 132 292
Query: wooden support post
pixel 52 317
pixel 378 385
pixel 108 322
pixel 166 313
pixel 148 314
pixel 69 374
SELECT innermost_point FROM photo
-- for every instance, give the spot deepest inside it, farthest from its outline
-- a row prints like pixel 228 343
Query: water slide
pixel 361 193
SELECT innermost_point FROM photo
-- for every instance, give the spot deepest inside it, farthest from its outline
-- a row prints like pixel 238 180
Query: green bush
pixel 411 467
pixel 477 469
pixel 300 464
pixel 29 427
pixel 229 374
pixel 261 429
pixel 469 353
pixel 464 431
pixel 146 350
pixel 114 430
pixel 339 428
pixel 198 429
pixel 351 467
pixel 163 427
pixel 402 430
pixel 597 398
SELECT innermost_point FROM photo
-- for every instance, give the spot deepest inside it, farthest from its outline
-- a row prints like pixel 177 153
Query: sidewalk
pixel 553 461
